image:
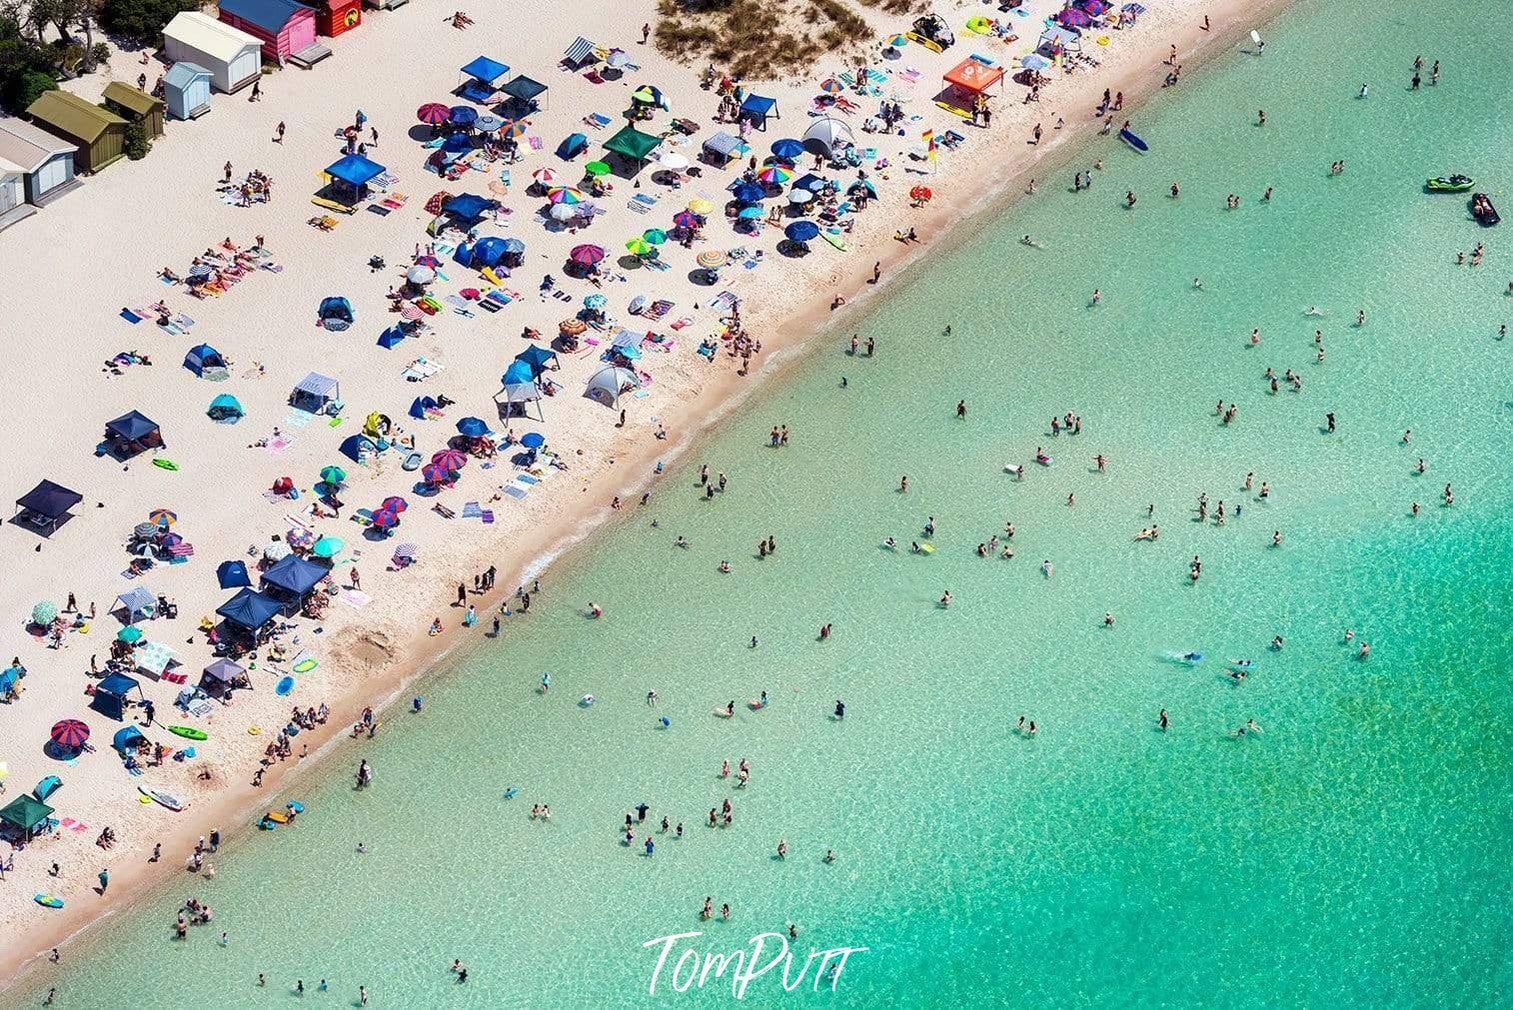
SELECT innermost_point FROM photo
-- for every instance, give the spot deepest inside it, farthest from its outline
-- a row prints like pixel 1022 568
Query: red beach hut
pixel 285 28
pixel 332 17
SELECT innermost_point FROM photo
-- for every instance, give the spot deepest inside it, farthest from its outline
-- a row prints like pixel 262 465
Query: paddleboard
pixel 1134 141
pixel 48 901
pixel 276 816
pixel 927 548
pixel 756 704
pixel 834 240
pixel 306 665
pixel 511 792
pixel 284 686
pixel 1255 36
pixel 723 713
pixel 189 732
pixel 158 796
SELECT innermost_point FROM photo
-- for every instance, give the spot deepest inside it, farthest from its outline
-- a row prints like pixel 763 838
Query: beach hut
pixel 13 205
pixel 285 28
pixel 135 106
pixel 46 162
pixel 98 136
pixel 46 507
pixel 756 109
pixel 186 90
pixel 633 146
pixel 719 149
pixel 315 393
pixel 966 83
pixel 332 17
pixel 480 78
pixel 234 58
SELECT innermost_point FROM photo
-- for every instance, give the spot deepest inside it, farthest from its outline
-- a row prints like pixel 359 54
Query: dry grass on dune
pixel 759 41
pixel 898 6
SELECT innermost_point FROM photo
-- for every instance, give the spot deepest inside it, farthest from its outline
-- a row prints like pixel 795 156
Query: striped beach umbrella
pixel 395 505
pixel 488 124
pixel 586 255
pixel 162 517
pixel 564 194
pixel 433 474
pixel 411 551
pixel 831 86
pixel 513 129
pixel 451 459
pixel 776 175
pixel 385 520
pixel 332 475
pixel 70 734
pixel 433 113
pixel 544 176
pixel 687 219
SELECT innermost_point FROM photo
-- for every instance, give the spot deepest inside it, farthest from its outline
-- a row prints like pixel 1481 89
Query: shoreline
pixel 788 342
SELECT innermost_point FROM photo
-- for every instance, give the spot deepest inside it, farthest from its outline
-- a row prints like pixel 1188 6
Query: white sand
pixel 73 266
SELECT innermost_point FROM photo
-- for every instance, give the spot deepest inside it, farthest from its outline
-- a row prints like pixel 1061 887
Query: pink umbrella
pixel 433 474
pixel 410 313
pixel 451 459
pixel 586 255
pixel 392 504
pixel 433 113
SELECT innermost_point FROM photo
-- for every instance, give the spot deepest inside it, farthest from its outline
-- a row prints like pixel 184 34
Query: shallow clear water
pixel 1353 854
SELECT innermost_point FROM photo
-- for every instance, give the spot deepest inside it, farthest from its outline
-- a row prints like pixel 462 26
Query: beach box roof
pixel 76 118
pixel 26 813
pixel 133 99
pixel 28 146
pixel 269 15
pixel 233 57
pixel 249 609
pixel 355 170
pixel 486 70
pixel 49 501
pixel 183 73
pixel 132 426
pixel 294 575
pixel 632 143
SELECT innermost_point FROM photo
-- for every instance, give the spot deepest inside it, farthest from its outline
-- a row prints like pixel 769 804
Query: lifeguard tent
pixel 966 83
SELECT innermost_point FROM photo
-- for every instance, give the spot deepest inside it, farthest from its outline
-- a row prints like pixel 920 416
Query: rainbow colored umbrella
pixel 586 255
pixel 656 236
pixel 162 517
pixel 564 194
pixel 687 219
pixel 513 129
pixel 433 113
pixel 452 459
pixel 70 734
pixel 596 168
pixel 776 175
pixel 831 86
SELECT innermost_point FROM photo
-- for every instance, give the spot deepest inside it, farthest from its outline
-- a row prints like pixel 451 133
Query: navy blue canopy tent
pixel 524 96
pixel 539 358
pixel 132 433
pixel 110 695
pixel 482 74
pixel 249 610
pixel 293 576
pixel 232 574
pixel 202 357
pixel 755 109
pixel 46 505
pixel 468 206
pixel 352 174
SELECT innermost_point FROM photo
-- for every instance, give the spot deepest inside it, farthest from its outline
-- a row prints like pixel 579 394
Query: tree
pixel 26 68
pixel 140 21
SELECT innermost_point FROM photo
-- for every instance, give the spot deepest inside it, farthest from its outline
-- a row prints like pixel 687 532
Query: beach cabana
pixel 186 90
pixel 523 96
pixel 828 135
pixel 332 17
pixel 205 358
pixel 13 205
pixel 233 57
pixel 967 83
pixel 45 507
pixel 291 580
pixel 136 604
pixel 350 176
pixel 581 53
pixel 99 137
pixel 606 385
pixel 113 693
pixel 756 109
pixel 521 395
pixel 480 79
pixel 222 677
pixel 46 163
pixel 539 358
pixel 633 146
pixel 25 817
pixel 248 611
pixel 719 149
pixel 132 433
pixel 225 409
pixel 286 29
pixel 135 106
pixel 315 393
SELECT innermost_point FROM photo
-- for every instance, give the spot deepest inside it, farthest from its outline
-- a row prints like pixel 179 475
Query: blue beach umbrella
pixel 751 213
pixel 472 427
pixel 533 440
pixel 595 302
pixel 787 148
pixel 463 115
pixel 802 231
pixel 749 192
pixel 457 142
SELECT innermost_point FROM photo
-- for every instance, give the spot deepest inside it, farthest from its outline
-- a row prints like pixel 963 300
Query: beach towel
pixel 130 316
pixel 471 510
pixel 354 599
pixel 596 121
pixel 513 491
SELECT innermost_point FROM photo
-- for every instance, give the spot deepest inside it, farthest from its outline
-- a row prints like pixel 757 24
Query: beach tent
pixel 572 145
pixel 968 80
pixel 392 337
pixel 232 574
pixel 755 110
pixel 46 788
pixel 482 75
pixel 359 449
pixel 518 371
pixel 234 58
pixel 26 816
pixel 468 207
pixel 126 739
pixel 627 342
pixel 205 358
pixel 524 394
pixel 606 384
pixel 539 358
pixel 225 409
pixel 720 148
pixel 420 405
pixel 525 95
pixel 46 162
pixel 132 433
pixel 222 676
pixel 45 507
pixel 581 53
pixel 248 610
pixel 285 28
pixel 633 145
pixel 186 90
pixel 98 136
pixel 110 695
pixel 135 604
pixel 314 393
pixel 335 313
pixel 827 135
pixel 350 176
pixel 135 106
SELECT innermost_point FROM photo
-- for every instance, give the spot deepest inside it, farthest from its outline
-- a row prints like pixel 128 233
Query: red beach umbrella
pixel 393 504
pixel 433 113
pixel 433 474
pixel 687 219
pixel 586 255
pixel 451 459
pixel 70 734
pixel 385 520
pixel 920 193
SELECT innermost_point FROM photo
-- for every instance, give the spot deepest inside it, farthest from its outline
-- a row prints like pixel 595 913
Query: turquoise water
pixel 1352 854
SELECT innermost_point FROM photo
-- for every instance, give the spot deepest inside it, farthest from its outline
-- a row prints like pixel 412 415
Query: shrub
pixel 137 144
pixel 141 21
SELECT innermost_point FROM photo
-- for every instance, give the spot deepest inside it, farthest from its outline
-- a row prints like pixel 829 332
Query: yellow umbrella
pixel 700 206
pixel 638 246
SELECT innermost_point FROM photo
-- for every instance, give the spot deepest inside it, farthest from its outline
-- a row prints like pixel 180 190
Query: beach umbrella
pixel 750 213
pixel 639 246
pixel 673 161
pixel 533 440
pixel 513 129
pixel 920 193
pixel 617 59
pixel 70 734
pixel 427 260
pixel 787 149
pixel 457 143
pixel 327 547
pixel 586 255
pixel 544 176
pixel 596 168
pixel 711 258
pixel 687 219
pixel 488 124
pixel 802 231
pixel 648 94
pixel 749 192
pixel 385 520
pixel 776 175
pixel 433 474
pixel 565 211
pixel 831 86
pixel 162 517
pixel 1074 18
pixel 332 475
pixel 572 327
pixel 656 236
pixel 410 551
pixel 433 113
pixel 897 41
pixel 564 194
pixel 131 634
pixel 1034 61
pixel 449 458
pixel 44 612
pixel 420 275
pixel 514 245
pixel 462 115
pixel 472 427
pixel 276 551
pixel 411 313
pixel 144 530
pixel 595 302
pixel 700 206
pixel 398 505
pixel 800 196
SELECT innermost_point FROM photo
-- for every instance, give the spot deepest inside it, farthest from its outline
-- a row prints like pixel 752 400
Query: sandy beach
pixel 87 256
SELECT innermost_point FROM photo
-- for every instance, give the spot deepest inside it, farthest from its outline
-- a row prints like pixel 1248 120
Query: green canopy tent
pixel 632 147
pixel 26 815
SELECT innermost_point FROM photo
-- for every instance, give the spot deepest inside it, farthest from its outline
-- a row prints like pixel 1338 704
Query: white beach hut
pixel 233 57
pixel 13 205
pixel 46 161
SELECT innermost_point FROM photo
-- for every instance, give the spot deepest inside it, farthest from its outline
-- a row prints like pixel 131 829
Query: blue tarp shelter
pixel 226 409
pixel 249 610
pixel 232 575
pixel 539 358
pixel 126 739
pixel 482 75
pixel 352 174
pixel 110 695
pixel 294 575
pixel 358 448
pixel 757 108
pixel 204 357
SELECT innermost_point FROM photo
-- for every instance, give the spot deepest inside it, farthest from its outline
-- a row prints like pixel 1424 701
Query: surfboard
pixel 756 704
pixel 161 798
pixel 48 901
pixel 724 713
pixel 511 792
pixel 1133 140
pixel 189 732
pixel 284 686
pixel 306 665
pixel 834 240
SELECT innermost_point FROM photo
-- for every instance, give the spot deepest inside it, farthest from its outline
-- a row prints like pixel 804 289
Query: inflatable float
pixel 48 901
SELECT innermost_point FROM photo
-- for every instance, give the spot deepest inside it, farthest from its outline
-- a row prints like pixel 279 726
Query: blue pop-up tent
pixel 126 738
pixel 572 145
pixel 756 108
pixel 389 338
pixel 468 206
pixel 539 358
pixel 482 74
pixel 358 448
pixel 232 574
pixel 225 409
pixel 203 357
pixel 249 610
pixel 519 371
pixel 353 173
